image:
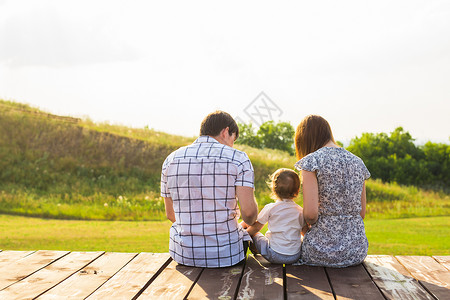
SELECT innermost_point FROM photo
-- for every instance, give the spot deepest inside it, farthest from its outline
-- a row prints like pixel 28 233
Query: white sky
pixel 366 66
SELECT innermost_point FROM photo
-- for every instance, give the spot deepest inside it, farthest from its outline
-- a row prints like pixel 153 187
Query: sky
pixel 366 66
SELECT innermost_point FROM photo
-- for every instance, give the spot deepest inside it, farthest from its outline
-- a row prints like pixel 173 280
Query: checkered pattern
pixel 201 179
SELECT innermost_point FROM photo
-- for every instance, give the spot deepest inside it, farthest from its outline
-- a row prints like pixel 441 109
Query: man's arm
pixel 249 207
pixel 170 213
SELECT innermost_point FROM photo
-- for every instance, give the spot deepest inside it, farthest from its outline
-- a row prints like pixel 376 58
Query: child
pixel 282 242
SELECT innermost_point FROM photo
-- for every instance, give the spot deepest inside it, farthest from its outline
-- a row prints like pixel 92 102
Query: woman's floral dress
pixel 338 238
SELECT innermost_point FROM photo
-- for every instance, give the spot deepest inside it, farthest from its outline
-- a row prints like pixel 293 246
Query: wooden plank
pixel 443 260
pixel 261 280
pixel 8 257
pixel 393 279
pixel 432 275
pixel 27 265
pixel 51 275
pixel 306 282
pixel 87 280
pixel 217 283
pixel 174 282
pixel 129 281
pixel 353 283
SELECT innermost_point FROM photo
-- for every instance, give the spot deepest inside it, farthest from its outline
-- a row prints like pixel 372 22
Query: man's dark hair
pixel 216 121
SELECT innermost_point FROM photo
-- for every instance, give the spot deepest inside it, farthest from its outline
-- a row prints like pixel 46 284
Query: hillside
pixel 64 167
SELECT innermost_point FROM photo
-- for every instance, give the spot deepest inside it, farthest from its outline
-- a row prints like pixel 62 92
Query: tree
pixel 437 161
pixel 395 157
pixel 247 136
pixel 269 135
pixel 371 145
pixel 277 136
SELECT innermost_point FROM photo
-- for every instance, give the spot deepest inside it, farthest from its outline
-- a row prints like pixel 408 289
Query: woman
pixel 334 197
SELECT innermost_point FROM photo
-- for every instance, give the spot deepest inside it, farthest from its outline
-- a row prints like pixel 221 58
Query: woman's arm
pixel 363 201
pixel 310 197
pixel 170 213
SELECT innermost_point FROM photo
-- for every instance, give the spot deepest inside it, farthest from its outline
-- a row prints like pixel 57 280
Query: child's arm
pixel 305 229
pixel 244 225
pixel 255 228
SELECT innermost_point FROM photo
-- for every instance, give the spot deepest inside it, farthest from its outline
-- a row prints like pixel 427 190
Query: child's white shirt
pixel 285 219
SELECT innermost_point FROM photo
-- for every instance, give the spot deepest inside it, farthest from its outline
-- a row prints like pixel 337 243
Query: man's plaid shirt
pixel 201 179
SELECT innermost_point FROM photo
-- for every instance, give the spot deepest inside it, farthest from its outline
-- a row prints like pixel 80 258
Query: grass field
pixel 25 233
pixel 75 170
pixel 412 236
pixel 67 168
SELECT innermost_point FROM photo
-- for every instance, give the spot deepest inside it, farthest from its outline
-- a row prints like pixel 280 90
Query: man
pixel 200 183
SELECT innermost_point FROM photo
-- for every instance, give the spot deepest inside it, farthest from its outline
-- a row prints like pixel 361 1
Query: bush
pixel 395 158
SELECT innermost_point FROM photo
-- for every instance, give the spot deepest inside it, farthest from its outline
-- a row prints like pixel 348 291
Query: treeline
pixel 270 135
pixel 390 157
pixel 395 158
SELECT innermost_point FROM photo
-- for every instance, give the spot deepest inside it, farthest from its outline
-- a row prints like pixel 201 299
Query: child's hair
pixel 285 184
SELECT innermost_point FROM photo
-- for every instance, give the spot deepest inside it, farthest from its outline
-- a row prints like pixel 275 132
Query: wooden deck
pixel 48 274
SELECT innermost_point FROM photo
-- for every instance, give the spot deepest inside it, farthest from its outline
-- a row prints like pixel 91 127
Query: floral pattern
pixel 338 238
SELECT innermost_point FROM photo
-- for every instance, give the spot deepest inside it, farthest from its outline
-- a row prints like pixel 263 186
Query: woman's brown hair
pixel 312 133
pixel 285 184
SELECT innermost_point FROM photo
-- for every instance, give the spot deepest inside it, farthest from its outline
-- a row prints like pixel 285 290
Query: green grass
pixel 68 168
pixel 24 233
pixel 390 201
pixel 413 236
pixel 73 169
pixel 100 206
